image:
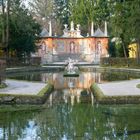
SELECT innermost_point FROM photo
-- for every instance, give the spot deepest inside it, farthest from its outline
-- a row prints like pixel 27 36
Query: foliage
pixel 134 19
pixel 119 62
pixel 112 49
pixel 23 35
pixel 134 23
pixel 3 85
pixel 62 10
pixel 45 11
pixel 86 11
pixel 121 15
pixel 20 29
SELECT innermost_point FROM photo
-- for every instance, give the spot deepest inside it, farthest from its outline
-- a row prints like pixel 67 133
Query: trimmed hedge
pixel 27 61
pixel 117 61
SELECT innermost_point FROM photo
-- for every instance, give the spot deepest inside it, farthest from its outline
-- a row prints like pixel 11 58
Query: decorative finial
pixel 72 26
pixel 105 32
pixel 92 28
pixel 50 28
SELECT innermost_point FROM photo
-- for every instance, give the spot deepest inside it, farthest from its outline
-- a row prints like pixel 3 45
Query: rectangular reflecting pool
pixel 81 121
pixel 71 112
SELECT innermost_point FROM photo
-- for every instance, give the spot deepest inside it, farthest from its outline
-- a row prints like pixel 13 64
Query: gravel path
pixel 121 88
pixel 22 87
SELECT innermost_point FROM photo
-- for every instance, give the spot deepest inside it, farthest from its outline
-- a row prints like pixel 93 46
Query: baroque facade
pixel 73 45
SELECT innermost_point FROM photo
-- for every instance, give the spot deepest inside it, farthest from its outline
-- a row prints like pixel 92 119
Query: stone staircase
pixel 64 57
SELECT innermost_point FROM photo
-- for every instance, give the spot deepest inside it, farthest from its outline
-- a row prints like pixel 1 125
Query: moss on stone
pixel 3 85
pixel 138 86
pixel 40 98
pixel 10 108
pixel 45 90
pixel 101 98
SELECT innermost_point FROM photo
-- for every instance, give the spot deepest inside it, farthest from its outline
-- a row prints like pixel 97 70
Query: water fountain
pixel 71 70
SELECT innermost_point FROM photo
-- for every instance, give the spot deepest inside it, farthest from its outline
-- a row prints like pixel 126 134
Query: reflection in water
pixel 71 88
pixel 69 115
pixel 77 122
pixel 84 80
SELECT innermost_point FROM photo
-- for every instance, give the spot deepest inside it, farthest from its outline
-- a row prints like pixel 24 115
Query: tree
pixel 62 10
pixel 120 24
pixel 18 28
pixel 134 23
pixel 4 17
pixel 86 11
pixel 23 37
pixel 44 11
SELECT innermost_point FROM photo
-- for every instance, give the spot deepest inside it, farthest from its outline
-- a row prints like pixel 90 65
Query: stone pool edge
pixel 103 99
pixel 38 99
pixel 34 68
pixel 62 67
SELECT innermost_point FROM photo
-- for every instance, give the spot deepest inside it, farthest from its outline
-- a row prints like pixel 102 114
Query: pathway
pixel 22 87
pixel 121 88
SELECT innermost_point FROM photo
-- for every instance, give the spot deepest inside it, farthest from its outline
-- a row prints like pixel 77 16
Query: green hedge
pixel 116 61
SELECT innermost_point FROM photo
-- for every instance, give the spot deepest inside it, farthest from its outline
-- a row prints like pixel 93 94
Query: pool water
pixel 71 112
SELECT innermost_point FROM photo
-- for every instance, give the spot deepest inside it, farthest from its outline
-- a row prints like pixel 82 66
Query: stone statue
pixel 71 69
pixel 78 27
pixel 66 27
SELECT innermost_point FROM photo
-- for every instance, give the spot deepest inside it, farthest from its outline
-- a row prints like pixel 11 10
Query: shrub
pixel 117 61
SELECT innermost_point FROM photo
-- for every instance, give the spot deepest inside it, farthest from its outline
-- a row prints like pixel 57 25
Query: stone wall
pixel 86 49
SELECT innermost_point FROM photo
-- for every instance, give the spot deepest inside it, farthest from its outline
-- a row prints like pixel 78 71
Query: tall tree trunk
pixel 7 28
pixel 3 23
pixel 124 50
pixel 123 45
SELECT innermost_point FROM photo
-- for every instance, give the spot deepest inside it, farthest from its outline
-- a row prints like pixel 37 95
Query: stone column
pixel 105 32
pixel 92 28
pixel 72 26
pixel 50 28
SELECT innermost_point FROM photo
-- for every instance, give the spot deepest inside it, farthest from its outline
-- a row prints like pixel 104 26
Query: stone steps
pixel 64 57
